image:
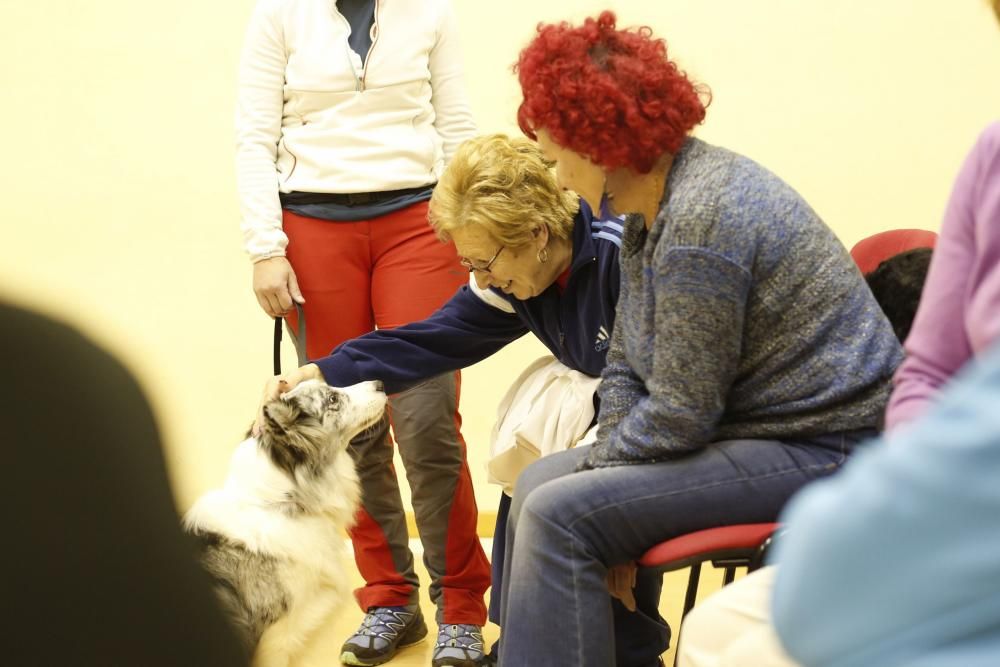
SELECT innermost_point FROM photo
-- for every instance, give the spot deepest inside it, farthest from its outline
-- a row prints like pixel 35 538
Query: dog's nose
pixel 379 386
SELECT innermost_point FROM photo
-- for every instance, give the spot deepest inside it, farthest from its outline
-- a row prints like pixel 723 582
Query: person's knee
pixel 548 472
pixel 758 646
pixel 729 623
pixel 530 479
pixel 699 643
pixel 545 469
pixel 551 509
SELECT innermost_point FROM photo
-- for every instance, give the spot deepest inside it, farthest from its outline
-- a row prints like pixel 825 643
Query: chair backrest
pixel 868 253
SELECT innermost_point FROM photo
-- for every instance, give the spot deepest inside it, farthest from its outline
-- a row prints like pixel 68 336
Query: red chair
pixel 868 253
pixel 726 547
pixel 744 545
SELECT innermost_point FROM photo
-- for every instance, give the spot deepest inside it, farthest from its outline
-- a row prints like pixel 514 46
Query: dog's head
pixel 305 427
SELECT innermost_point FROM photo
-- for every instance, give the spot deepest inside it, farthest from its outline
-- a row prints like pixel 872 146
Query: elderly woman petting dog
pixel 541 261
pixel 748 356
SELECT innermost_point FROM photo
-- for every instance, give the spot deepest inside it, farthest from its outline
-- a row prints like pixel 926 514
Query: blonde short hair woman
pixel 504 185
pixel 500 203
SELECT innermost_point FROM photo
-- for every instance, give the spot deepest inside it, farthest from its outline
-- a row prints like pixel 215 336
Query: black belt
pixel 350 198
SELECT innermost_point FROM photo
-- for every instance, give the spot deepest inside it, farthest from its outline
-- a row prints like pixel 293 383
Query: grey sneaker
pixel 384 631
pixel 460 646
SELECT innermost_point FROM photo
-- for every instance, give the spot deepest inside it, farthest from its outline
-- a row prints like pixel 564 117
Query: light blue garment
pixel 896 560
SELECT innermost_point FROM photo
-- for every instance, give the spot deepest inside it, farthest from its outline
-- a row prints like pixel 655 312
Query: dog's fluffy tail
pixel 247 585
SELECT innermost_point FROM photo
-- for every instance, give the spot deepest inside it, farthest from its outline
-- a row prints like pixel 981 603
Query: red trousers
pixel 356 276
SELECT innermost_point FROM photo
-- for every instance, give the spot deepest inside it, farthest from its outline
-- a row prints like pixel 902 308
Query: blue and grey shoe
pixel 384 631
pixel 460 646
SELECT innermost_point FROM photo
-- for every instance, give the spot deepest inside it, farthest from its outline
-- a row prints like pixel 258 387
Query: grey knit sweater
pixel 740 316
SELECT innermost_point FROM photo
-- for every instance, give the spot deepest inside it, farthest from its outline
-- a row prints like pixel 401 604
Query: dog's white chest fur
pixel 257 507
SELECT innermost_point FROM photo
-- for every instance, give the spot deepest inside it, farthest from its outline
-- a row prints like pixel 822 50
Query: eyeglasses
pixel 485 268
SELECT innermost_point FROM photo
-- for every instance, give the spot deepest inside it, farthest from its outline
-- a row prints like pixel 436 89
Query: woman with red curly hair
pixel 748 356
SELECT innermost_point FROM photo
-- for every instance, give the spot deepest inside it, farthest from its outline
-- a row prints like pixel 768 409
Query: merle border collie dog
pixel 273 536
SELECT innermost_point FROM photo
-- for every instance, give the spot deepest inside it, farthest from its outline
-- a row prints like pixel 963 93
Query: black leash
pixel 278 323
pixel 299 339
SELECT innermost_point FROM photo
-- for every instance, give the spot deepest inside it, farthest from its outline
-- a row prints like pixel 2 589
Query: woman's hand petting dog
pixel 281 384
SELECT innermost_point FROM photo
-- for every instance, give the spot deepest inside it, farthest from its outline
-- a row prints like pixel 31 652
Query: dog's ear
pixel 279 416
pixel 289 435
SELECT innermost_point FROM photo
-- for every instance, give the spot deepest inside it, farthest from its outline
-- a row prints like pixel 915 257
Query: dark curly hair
pixel 897 284
pixel 611 95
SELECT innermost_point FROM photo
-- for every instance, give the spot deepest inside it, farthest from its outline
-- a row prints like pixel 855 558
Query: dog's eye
pixel 334 400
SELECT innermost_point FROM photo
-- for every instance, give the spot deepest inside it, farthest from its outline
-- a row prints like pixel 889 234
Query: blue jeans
pixel 634 632
pixel 497 557
pixel 565 529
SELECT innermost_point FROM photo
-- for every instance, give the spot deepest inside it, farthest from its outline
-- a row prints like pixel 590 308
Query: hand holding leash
pixel 276 287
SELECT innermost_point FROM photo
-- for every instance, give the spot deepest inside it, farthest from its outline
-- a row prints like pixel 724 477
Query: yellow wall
pixel 119 212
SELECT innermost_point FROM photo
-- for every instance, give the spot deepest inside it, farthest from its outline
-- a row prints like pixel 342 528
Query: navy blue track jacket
pixel 575 324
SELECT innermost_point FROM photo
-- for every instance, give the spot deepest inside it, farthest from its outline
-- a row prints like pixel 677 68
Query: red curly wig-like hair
pixel 611 95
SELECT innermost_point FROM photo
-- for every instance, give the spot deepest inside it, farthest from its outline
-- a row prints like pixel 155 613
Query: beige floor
pixel 325 649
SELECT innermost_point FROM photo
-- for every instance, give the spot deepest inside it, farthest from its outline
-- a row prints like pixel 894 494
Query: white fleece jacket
pixel 310 118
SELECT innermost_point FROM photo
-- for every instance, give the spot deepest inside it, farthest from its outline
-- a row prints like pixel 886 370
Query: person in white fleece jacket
pixel 348 112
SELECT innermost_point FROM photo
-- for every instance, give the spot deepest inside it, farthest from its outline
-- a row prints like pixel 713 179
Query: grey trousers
pixel 426 426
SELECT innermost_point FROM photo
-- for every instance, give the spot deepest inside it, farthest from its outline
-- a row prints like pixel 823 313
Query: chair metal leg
pixel 692 589
pixel 689 599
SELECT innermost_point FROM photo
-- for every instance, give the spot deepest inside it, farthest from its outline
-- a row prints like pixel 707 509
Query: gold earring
pixel 542 255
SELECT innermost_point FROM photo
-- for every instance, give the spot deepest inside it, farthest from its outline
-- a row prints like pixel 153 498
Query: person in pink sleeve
pixel 959 314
